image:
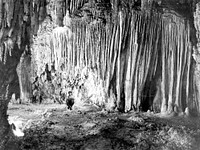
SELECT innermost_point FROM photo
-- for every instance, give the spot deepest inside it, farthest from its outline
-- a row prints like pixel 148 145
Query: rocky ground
pixel 86 127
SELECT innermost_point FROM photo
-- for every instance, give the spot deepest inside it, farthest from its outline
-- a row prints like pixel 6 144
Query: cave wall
pixel 16 18
pixel 196 56
pixel 135 45
pixel 135 49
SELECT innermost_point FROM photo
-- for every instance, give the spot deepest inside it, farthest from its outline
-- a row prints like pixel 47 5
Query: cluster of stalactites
pixel 176 64
pixel 15 20
pixel 129 53
pixel 99 10
pixel 61 47
pixel 6 28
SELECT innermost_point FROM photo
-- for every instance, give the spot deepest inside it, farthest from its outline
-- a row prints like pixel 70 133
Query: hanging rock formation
pixel 141 52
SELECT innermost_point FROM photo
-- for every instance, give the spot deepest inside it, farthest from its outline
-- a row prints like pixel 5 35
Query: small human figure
pixel 70 100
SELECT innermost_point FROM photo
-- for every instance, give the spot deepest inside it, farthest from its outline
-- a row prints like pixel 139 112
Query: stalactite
pixel 8 46
pixel 10 10
pixel 61 41
pixel 1 11
pixel 75 4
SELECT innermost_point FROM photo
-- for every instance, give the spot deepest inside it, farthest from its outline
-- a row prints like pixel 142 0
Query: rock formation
pixel 130 52
pixel 18 21
pixel 130 46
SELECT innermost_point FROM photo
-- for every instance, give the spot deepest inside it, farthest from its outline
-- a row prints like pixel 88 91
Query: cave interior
pixel 118 56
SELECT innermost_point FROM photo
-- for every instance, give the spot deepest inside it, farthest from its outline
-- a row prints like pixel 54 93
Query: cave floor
pixel 86 127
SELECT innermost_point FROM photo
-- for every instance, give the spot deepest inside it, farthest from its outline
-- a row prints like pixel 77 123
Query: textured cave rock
pixel 141 52
pixel 24 74
pixel 126 46
pixel 16 18
pixel 196 56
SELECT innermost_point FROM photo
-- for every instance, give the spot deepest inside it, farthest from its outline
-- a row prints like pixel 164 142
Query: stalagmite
pixel 24 74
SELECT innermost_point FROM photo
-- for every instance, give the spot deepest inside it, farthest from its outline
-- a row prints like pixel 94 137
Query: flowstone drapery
pixel 141 55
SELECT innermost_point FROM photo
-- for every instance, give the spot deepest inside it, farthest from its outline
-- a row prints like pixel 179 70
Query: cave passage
pixel 124 55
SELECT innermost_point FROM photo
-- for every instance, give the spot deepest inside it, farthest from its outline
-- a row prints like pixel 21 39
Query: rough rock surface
pixel 53 127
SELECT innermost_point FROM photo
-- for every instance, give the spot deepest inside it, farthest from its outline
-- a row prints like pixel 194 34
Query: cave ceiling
pixel 101 8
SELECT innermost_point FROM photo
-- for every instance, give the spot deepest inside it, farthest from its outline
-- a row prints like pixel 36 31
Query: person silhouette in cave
pixel 70 100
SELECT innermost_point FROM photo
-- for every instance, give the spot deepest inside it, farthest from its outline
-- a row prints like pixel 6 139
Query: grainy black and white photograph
pixel 99 74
